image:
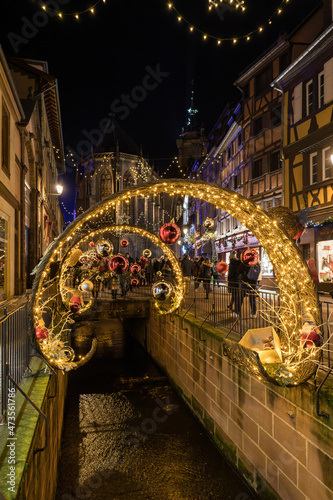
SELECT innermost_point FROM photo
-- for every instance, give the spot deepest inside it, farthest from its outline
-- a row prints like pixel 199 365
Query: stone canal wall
pixel 35 472
pixel 270 433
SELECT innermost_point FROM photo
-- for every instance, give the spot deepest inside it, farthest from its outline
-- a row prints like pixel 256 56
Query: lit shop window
pixel 3 257
pixel 325 260
pixel 266 265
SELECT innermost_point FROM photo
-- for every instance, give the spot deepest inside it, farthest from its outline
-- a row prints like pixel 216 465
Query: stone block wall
pixel 271 434
pixel 35 471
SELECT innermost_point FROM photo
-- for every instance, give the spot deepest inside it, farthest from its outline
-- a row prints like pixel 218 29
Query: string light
pixel 75 14
pixel 238 4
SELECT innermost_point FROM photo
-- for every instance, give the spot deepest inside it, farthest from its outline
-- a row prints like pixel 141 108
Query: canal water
pixel 128 436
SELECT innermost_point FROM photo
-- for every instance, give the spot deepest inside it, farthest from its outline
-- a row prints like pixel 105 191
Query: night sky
pixel 105 55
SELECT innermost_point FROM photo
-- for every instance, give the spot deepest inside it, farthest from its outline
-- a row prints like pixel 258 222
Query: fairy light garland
pixel 292 275
pixel 53 347
pixel 205 35
pixel 75 14
pixel 231 3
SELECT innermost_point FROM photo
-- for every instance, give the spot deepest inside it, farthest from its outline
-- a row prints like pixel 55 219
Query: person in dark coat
pixel 197 271
pixel 206 275
pixel 187 266
pixel 187 270
pixel 233 282
pixel 248 277
pixel 156 267
pixel 216 276
pixel 149 272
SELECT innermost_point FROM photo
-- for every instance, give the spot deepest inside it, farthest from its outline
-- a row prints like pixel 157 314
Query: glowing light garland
pixel 57 352
pixel 234 39
pixel 75 14
pixel 292 274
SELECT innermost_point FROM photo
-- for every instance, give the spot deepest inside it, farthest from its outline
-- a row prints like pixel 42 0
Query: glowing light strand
pixel 75 14
pixel 234 39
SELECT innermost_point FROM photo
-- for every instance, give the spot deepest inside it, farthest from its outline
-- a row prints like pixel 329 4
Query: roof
pixel 115 138
pixel 9 77
pixel 49 89
pixel 325 40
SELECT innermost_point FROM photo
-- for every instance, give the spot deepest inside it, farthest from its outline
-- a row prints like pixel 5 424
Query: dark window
pixel 263 80
pixel 5 121
pixel 106 184
pixel 239 139
pixel 257 169
pixel 228 153
pixel 236 181
pixel 247 91
pixel 276 117
pixel 257 126
pixel 275 161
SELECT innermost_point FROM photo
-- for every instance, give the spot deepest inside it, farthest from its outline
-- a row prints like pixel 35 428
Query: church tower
pixel 191 143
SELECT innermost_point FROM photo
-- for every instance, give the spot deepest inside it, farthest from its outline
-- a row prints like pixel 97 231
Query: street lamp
pixel 59 189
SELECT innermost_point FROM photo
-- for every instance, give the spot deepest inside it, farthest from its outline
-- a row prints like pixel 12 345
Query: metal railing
pixel 216 311
pixel 326 307
pixel 219 311
pixel 15 350
pixel 226 313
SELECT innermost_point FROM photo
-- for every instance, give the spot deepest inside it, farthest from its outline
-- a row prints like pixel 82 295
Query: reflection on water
pixel 128 436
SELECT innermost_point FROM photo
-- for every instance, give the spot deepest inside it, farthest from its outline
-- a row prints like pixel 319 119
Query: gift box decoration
pixel 266 342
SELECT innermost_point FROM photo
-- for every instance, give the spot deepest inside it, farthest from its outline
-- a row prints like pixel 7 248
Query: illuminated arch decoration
pixel 295 282
pixel 36 313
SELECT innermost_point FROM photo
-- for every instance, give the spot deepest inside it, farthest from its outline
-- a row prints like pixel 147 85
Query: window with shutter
pixel 313 168
pixel 309 97
pixel 328 81
pixel 321 89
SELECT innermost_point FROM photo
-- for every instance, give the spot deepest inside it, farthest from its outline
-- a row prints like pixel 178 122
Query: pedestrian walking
pixel 187 270
pixel 206 275
pixel 149 272
pixel 233 282
pixel 248 276
pixel 216 276
pixel 197 272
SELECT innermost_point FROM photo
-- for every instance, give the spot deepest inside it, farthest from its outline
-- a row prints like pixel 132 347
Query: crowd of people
pixel 242 279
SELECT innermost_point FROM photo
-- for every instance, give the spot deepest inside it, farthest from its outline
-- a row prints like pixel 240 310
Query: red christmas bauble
pixel 135 282
pixel 41 333
pixel 169 233
pixel 143 262
pixel 250 257
pixel 118 264
pixel 91 244
pixel 124 243
pixel 222 267
pixel 135 269
pixel 101 269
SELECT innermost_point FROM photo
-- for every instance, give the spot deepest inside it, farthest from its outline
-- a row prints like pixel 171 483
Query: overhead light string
pixel 75 14
pixel 233 39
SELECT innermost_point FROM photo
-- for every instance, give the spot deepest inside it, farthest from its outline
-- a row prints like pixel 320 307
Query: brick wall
pixel 272 434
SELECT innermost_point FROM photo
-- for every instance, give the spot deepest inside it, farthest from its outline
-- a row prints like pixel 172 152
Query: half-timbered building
pixel 307 86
